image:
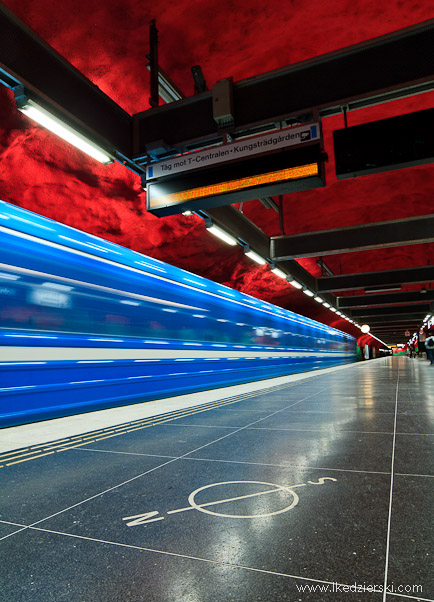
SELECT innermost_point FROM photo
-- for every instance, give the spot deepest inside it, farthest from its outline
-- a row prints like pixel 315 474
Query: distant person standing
pixel 422 339
pixel 429 346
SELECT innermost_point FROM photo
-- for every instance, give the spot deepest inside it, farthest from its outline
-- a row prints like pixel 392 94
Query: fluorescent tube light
pixel 327 305
pixel 318 299
pixel 227 238
pixel 309 293
pixel 55 125
pixel 279 273
pixel 256 257
pixel 333 309
pixel 166 88
pixel 295 284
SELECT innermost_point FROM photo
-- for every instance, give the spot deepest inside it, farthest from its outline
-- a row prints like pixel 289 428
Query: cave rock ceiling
pixel 108 43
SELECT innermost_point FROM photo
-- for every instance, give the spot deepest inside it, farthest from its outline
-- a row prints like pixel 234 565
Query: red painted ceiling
pixel 108 42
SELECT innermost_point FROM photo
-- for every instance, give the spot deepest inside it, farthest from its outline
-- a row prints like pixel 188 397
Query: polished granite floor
pixel 315 490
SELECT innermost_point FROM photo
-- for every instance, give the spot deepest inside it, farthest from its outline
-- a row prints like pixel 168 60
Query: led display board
pixel 274 164
pixel 384 145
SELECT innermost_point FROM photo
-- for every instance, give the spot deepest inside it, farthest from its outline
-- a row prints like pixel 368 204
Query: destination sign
pixel 254 177
pixel 236 150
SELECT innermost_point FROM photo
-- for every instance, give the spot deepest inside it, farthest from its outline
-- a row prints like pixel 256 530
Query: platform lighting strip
pixel 379 340
pixel 295 284
pixel 55 125
pixel 220 233
pixel 290 173
pixel 255 257
pixel 279 273
pixel 231 240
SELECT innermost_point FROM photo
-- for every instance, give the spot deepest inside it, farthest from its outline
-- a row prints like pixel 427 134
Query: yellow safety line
pixel 44 448
pixel 32 458
pixel 147 421
pixel 139 428
pixel 72 446
pixel 151 421
pixel 9 453
pixel 14 456
pixel 108 437
pixel 90 436
pixel 140 424
pixel 108 428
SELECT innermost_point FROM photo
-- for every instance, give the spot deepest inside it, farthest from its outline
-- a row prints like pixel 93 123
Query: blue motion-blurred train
pixel 86 324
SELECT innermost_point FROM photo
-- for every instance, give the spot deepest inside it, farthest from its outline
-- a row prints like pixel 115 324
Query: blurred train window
pixel 32 303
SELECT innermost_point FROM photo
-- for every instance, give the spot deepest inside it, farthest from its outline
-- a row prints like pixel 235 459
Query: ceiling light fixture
pixel 257 258
pixel 309 293
pixel 58 127
pixel 294 282
pixel 318 299
pixel 225 236
pixel 167 90
pixel 279 273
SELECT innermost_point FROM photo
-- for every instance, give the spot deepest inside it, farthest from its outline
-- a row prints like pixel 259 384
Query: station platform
pixel 313 487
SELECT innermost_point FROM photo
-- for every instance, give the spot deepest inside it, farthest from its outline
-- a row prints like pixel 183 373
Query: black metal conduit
pixel 395 65
pixel 401 61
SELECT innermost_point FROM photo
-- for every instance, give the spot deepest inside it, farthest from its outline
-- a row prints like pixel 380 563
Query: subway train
pixel 86 324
